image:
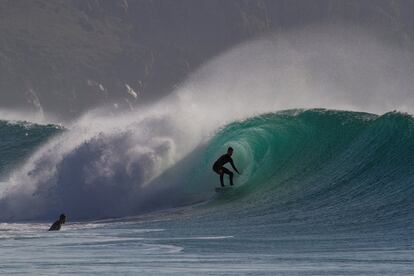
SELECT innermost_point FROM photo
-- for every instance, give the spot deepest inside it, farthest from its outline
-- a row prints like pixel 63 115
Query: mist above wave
pixel 105 165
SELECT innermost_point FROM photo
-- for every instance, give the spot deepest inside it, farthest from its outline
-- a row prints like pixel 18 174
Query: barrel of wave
pixel 273 148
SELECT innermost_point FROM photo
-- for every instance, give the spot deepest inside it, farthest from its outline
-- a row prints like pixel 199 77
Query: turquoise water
pixel 19 139
pixel 322 192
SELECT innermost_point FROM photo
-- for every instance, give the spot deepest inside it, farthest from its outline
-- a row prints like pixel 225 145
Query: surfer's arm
pixel 234 167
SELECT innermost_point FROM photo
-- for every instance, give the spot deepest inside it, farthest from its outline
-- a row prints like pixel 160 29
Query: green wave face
pixel 19 139
pixel 348 166
pixel 284 146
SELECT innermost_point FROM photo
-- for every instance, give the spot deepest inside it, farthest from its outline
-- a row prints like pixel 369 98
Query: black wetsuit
pixel 55 226
pixel 218 165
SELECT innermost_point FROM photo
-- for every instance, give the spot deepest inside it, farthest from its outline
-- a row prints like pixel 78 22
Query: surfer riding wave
pixel 219 168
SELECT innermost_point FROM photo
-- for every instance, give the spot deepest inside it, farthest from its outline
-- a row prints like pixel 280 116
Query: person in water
pixel 58 224
pixel 219 168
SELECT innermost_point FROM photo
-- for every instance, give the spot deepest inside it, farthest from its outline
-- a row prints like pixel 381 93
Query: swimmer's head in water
pixel 62 218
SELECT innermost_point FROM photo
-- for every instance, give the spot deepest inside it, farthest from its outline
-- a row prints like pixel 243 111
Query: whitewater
pixel 326 185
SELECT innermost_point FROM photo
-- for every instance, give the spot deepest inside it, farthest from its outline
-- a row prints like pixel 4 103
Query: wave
pixel 320 166
pixel 296 164
pixel 18 139
pixel 304 165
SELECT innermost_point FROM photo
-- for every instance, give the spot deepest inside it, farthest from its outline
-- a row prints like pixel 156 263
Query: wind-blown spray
pixel 106 166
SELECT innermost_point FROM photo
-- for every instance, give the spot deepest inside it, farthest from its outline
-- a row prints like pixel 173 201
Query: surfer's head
pixel 230 151
pixel 62 218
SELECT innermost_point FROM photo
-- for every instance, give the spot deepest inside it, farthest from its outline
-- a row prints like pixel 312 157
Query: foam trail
pixel 108 166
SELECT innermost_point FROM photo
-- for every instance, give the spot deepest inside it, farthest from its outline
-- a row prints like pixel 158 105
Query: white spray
pixel 108 165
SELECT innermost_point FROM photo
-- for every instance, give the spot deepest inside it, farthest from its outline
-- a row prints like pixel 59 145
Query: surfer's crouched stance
pixel 219 169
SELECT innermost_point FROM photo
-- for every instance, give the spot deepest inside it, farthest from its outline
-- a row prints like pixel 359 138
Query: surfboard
pixel 222 189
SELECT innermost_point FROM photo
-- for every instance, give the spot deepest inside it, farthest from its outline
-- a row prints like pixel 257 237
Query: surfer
pixel 219 168
pixel 57 224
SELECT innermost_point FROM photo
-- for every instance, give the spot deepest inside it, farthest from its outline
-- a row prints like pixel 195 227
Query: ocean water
pixel 322 192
